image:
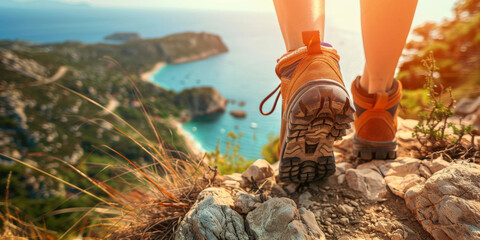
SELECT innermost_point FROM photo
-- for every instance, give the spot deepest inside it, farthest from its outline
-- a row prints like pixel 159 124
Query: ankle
pixel 371 87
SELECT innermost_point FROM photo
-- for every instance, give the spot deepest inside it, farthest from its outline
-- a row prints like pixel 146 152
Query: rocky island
pixel 123 36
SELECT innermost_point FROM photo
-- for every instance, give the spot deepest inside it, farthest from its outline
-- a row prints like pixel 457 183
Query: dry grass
pixel 150 209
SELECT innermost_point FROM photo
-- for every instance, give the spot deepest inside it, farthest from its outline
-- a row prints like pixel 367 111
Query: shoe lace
pixel 313 45
pixel 266 99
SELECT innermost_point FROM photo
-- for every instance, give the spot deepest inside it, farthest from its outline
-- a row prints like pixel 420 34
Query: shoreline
pixel 146 76
pixel 193 146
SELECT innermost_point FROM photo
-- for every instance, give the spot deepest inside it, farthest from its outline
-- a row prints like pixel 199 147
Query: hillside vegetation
pixel 48 113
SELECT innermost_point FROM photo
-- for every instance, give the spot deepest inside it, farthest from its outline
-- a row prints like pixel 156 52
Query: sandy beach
pixel 146 75
pixel 193 146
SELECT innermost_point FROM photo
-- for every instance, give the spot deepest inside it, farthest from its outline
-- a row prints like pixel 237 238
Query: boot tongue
pixel 311 39
pixel 289 61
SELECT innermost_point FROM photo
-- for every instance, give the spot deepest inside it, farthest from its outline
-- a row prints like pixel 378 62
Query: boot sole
pixel 368 150
pixel 319 113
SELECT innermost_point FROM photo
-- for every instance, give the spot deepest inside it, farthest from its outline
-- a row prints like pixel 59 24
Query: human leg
pixel 316 107
pixel 385 27
pixel 297 16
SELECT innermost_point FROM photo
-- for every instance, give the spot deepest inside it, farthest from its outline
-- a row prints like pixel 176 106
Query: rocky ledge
pixel 406 198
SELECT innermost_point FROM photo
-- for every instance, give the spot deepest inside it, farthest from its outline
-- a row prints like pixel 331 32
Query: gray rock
pixel 277 190
pixel 368 182
pixel 221 196
pixel 245 202
pixel 259 170
pixel 467 106
pixel 384 226
pixel 402 174
pixel 212 218
pixel 231 183
pixel 342 167
pixel 400 184
pixel 436 165
pixel 304 199
pixel 291 188
pixel 232 178
pixel 341 179
pixel 345 208
pixel 448 204
pixel 262 173
pixel 279 218
pixel 400 167
pixel 344 221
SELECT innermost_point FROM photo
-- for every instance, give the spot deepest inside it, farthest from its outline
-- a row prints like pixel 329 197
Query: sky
pixel 342 12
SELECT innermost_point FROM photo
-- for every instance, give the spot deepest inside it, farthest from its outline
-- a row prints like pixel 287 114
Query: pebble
pixel 330 230
pixel 291 188
pixel 344 221
pixel 354 203
pixel 353 222
pixel 348 208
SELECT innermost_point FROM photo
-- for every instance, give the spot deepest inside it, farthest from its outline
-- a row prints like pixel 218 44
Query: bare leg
pixel 296 16
pixel 385 27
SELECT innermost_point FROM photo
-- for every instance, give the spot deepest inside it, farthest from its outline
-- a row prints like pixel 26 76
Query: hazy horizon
pixel 343 14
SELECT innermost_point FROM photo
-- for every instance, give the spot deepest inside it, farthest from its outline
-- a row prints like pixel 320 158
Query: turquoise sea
pixel 245 73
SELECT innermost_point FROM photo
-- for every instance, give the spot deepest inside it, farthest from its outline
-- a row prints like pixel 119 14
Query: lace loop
pixel 266 99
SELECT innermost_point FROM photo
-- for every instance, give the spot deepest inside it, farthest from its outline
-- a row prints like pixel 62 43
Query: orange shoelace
pixel 266 99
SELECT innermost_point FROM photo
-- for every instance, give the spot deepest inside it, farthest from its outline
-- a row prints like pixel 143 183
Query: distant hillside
pixel 37 116
pixel 41 112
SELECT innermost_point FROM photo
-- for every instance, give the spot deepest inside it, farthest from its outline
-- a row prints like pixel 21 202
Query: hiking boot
pixel 375 122
pixel 316 110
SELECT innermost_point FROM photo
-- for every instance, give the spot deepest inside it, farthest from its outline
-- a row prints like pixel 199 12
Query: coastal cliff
pixel 46 96
pixel 201 101
pixel 203 45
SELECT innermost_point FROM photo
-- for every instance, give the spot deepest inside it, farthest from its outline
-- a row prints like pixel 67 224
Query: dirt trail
pixel 344 214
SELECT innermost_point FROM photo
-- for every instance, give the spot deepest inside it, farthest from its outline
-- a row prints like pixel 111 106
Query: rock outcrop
pixel 238 114
pixel 279 218
pixel 200 46
pixel 217 215
pixel 27 67
pixel 368 182
pixel 212 217
pixel 402 174
pixel 262 173
pixel 448 204
pixel 201 101
pixel 468 110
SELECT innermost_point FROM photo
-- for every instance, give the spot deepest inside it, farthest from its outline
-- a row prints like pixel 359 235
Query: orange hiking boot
pixel 375 122
pixel 316 110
